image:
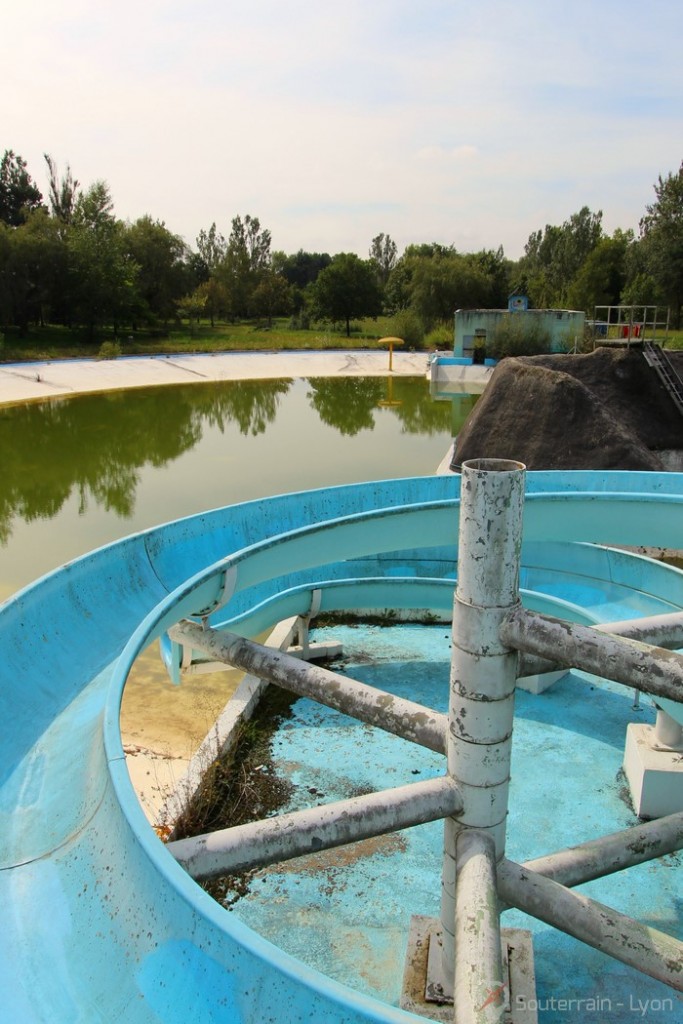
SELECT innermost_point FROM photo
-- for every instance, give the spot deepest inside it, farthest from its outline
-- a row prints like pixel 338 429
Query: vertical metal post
pixel 480 988
pixel 668 732
pixel 483 671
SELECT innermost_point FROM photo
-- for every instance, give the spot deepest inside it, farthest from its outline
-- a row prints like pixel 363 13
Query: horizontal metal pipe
pixel 647 950
pixel 272 840
pixel 396 715
pixel 649 669
pixel 660 630
pixel 479 985
pixel 604 856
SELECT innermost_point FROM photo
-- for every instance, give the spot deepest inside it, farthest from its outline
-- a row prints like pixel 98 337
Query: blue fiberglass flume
pixel 99 921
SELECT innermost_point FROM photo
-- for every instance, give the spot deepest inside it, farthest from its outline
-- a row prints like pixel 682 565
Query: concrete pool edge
pixel 49 379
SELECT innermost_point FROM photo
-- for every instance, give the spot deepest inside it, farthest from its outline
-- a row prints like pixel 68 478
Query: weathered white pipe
pixel 272 840
pixel 658 630
pixel 648 669
pixel 647 950
pixel 396 715
pixel 479 992
pixel 483 669
pixel 608 854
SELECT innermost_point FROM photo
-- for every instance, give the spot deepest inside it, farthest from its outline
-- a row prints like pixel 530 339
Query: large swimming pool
pixel 81 472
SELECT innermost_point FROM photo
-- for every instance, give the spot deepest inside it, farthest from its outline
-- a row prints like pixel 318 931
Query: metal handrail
pixel 667 373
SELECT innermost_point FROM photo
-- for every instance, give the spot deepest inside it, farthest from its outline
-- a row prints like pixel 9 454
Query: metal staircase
pixel 661 364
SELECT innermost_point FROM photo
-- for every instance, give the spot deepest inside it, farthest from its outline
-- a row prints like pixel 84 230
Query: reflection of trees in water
pixel 418 412
pixel 251 404
pixel 93 447
pixel 346 403
pixel 349 403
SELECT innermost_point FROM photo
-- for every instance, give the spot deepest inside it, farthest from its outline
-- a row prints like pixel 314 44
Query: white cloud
pixel 441 154
pixel 467 124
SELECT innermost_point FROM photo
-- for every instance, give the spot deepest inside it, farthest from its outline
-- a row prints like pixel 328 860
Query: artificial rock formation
pixel 605 410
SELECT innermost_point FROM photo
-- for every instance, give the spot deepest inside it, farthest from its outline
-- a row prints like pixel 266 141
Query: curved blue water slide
pixel 576 581
pixel 100 923
pixel 609 584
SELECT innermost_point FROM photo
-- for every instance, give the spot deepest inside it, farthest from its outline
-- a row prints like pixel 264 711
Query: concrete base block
pixel 424 995
pixel 316 652
pixel 655 777
pixel 542 682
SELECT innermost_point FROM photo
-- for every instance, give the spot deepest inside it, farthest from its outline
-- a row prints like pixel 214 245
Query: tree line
pixel 68 259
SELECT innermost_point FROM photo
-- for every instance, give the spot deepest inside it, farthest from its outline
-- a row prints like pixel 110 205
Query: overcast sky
pixel 463 122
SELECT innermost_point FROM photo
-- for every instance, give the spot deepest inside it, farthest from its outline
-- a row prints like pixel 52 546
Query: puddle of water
pixel 162 725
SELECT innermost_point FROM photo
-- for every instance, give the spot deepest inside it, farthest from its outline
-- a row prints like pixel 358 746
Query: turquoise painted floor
pixel 347 912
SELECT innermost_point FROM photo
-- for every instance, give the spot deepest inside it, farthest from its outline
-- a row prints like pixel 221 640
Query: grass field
pixel 54 342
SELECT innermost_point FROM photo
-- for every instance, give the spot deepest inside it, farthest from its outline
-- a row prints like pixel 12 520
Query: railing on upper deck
pixel 626 325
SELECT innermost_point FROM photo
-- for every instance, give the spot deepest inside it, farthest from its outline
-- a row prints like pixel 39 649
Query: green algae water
pixel 80 472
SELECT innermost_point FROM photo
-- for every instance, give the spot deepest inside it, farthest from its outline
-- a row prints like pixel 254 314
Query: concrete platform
pixel 348 912
pixel 30 382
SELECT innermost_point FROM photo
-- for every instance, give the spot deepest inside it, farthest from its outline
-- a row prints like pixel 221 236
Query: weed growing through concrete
pixel 240 787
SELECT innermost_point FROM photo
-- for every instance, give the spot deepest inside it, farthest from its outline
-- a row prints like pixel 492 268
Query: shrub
pixel 440 337
pixel 407 324
pixel 518 335
pixel 109 350
pixel 300 321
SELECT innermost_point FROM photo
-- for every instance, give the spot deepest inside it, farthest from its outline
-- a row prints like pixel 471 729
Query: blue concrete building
pixel 476 328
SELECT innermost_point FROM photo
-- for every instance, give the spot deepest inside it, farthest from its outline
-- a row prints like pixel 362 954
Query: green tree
pixel 383 253
pixel 18 194
pixel 212 248
pixel 661 232
pixel 62 194
pixel 397 294
pixel 301 268
pixel 540 266
pixel 498 271
pixel 580 234
pixel 346 289
pixel 554 256
pixel 602 276
pixel 246 259
pixel 5 276
pixel 192 306
pixel 162 276
pixel 441 284
pixel 101 269
pixel 36 269
pixel 217 298
pixel 271 297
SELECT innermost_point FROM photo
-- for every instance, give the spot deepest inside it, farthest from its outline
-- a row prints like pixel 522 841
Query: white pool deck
pixel 26 382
